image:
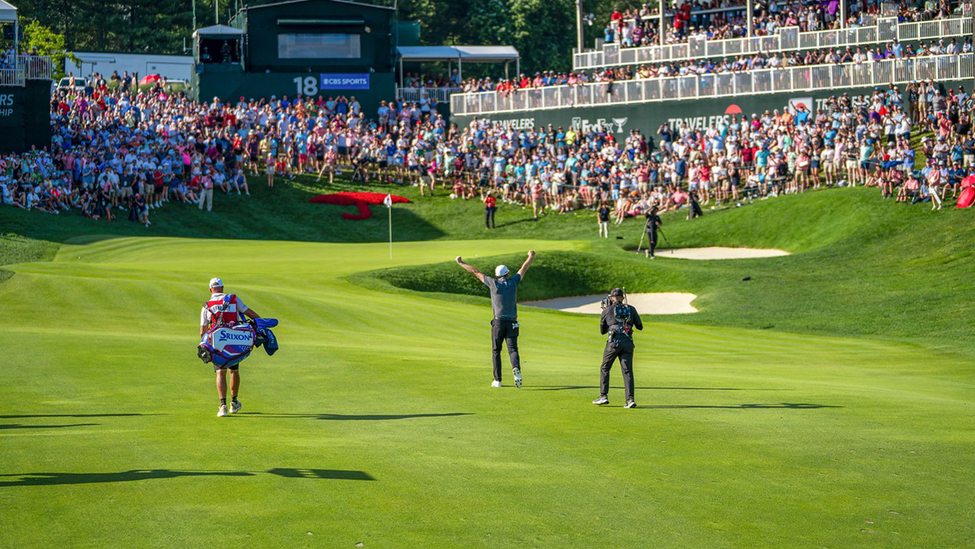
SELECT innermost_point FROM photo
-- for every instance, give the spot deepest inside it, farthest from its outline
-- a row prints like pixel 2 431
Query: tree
pixel 48 43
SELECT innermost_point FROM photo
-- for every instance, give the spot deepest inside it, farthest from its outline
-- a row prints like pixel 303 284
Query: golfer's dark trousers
pixel 623 351
pixel 504 331
pixel 489 217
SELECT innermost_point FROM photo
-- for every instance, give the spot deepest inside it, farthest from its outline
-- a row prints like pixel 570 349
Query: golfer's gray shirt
pixel 504 296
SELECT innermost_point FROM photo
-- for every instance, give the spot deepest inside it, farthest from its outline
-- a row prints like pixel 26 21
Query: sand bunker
pixel 665 303
pixel 720 253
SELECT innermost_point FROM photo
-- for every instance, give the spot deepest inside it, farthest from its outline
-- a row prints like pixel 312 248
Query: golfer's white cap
pixel 501 270
pixel 216 283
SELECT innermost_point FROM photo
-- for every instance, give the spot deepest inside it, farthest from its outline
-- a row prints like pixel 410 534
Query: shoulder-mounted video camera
pixel 620 310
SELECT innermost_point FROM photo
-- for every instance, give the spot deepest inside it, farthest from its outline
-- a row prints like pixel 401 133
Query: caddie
pixel 224 309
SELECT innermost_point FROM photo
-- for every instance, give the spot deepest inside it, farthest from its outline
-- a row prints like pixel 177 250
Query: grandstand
pixel 684 78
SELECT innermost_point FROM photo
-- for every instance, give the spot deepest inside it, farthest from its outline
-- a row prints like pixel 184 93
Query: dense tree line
pixel 542 30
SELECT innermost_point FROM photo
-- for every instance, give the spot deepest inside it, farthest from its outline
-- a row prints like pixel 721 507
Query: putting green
pixel 376 422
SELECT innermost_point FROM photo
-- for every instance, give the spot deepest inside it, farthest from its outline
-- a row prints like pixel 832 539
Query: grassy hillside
pixel 375 423
pixel 861 266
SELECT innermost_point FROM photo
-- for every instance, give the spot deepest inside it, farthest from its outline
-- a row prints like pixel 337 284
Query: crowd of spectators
pixel 850 141
pixel 415 80
pixel 115 149
pixel 117 152
pixel 830 56
pixel 716 20
pixel 8 55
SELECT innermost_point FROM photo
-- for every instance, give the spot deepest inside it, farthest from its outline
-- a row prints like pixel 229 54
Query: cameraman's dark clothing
pixel 620 345
pixel 653 222
pixel 504 327
pixel 504 331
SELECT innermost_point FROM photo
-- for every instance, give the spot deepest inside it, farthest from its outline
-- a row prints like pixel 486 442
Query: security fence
pixel 764 81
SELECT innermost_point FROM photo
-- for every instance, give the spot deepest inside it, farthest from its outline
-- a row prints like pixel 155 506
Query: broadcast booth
pixel 25 90
pixel 299 47
pixel 218 45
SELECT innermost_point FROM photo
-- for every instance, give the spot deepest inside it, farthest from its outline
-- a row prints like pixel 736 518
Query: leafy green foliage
pixel 48 43
pixel 156 26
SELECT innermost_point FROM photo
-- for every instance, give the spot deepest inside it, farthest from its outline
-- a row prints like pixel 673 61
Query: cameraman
pixel 653 223
pixel 618 320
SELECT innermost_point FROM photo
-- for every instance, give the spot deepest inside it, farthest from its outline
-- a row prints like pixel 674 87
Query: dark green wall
pixel 262 29
pixel 265 75
pixel 648 117
pixel 232 85
pixel 25 116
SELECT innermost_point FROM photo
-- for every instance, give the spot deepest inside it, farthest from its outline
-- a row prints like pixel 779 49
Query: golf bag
pixel 227 346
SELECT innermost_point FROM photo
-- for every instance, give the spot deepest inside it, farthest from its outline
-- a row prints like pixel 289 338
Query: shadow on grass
pixel 4 427
pixel 27 416
pixel 354 417
pixel 57 479
pixel 780 406
pixel 515 222
pixel 596 387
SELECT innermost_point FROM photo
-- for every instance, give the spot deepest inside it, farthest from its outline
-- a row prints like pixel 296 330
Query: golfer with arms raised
pixel 504 302
pixel 220 311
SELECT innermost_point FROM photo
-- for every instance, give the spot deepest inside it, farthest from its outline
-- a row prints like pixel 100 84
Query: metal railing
pixel 786 40
pixel 27 67
pixel 36 67
pixel 440 95
pixel 12 76
pixel 763 81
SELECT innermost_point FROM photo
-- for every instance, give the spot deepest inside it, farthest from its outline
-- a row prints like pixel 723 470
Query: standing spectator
pixel 602 219
pixel 206 190
pixel 490 207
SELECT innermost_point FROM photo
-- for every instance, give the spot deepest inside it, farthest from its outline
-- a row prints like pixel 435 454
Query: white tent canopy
pixel 471 54
pixel 428 53
pixel 488 54
pixel 215 30
pixel 8 13
pixel 460 55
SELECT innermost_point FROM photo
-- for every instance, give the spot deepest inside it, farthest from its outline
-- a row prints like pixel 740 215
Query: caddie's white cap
pixel 501 270
pixel 216 283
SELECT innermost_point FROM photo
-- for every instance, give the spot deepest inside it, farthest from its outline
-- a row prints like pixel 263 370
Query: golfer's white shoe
pixel 601 400
pixel 235 406
pixel 223 411
pixel 517 373
pixel 495 384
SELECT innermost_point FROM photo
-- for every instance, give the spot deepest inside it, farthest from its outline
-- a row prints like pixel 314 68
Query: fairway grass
pixel 376 423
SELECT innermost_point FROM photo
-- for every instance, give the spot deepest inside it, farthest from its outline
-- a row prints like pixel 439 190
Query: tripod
pixel 358 174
